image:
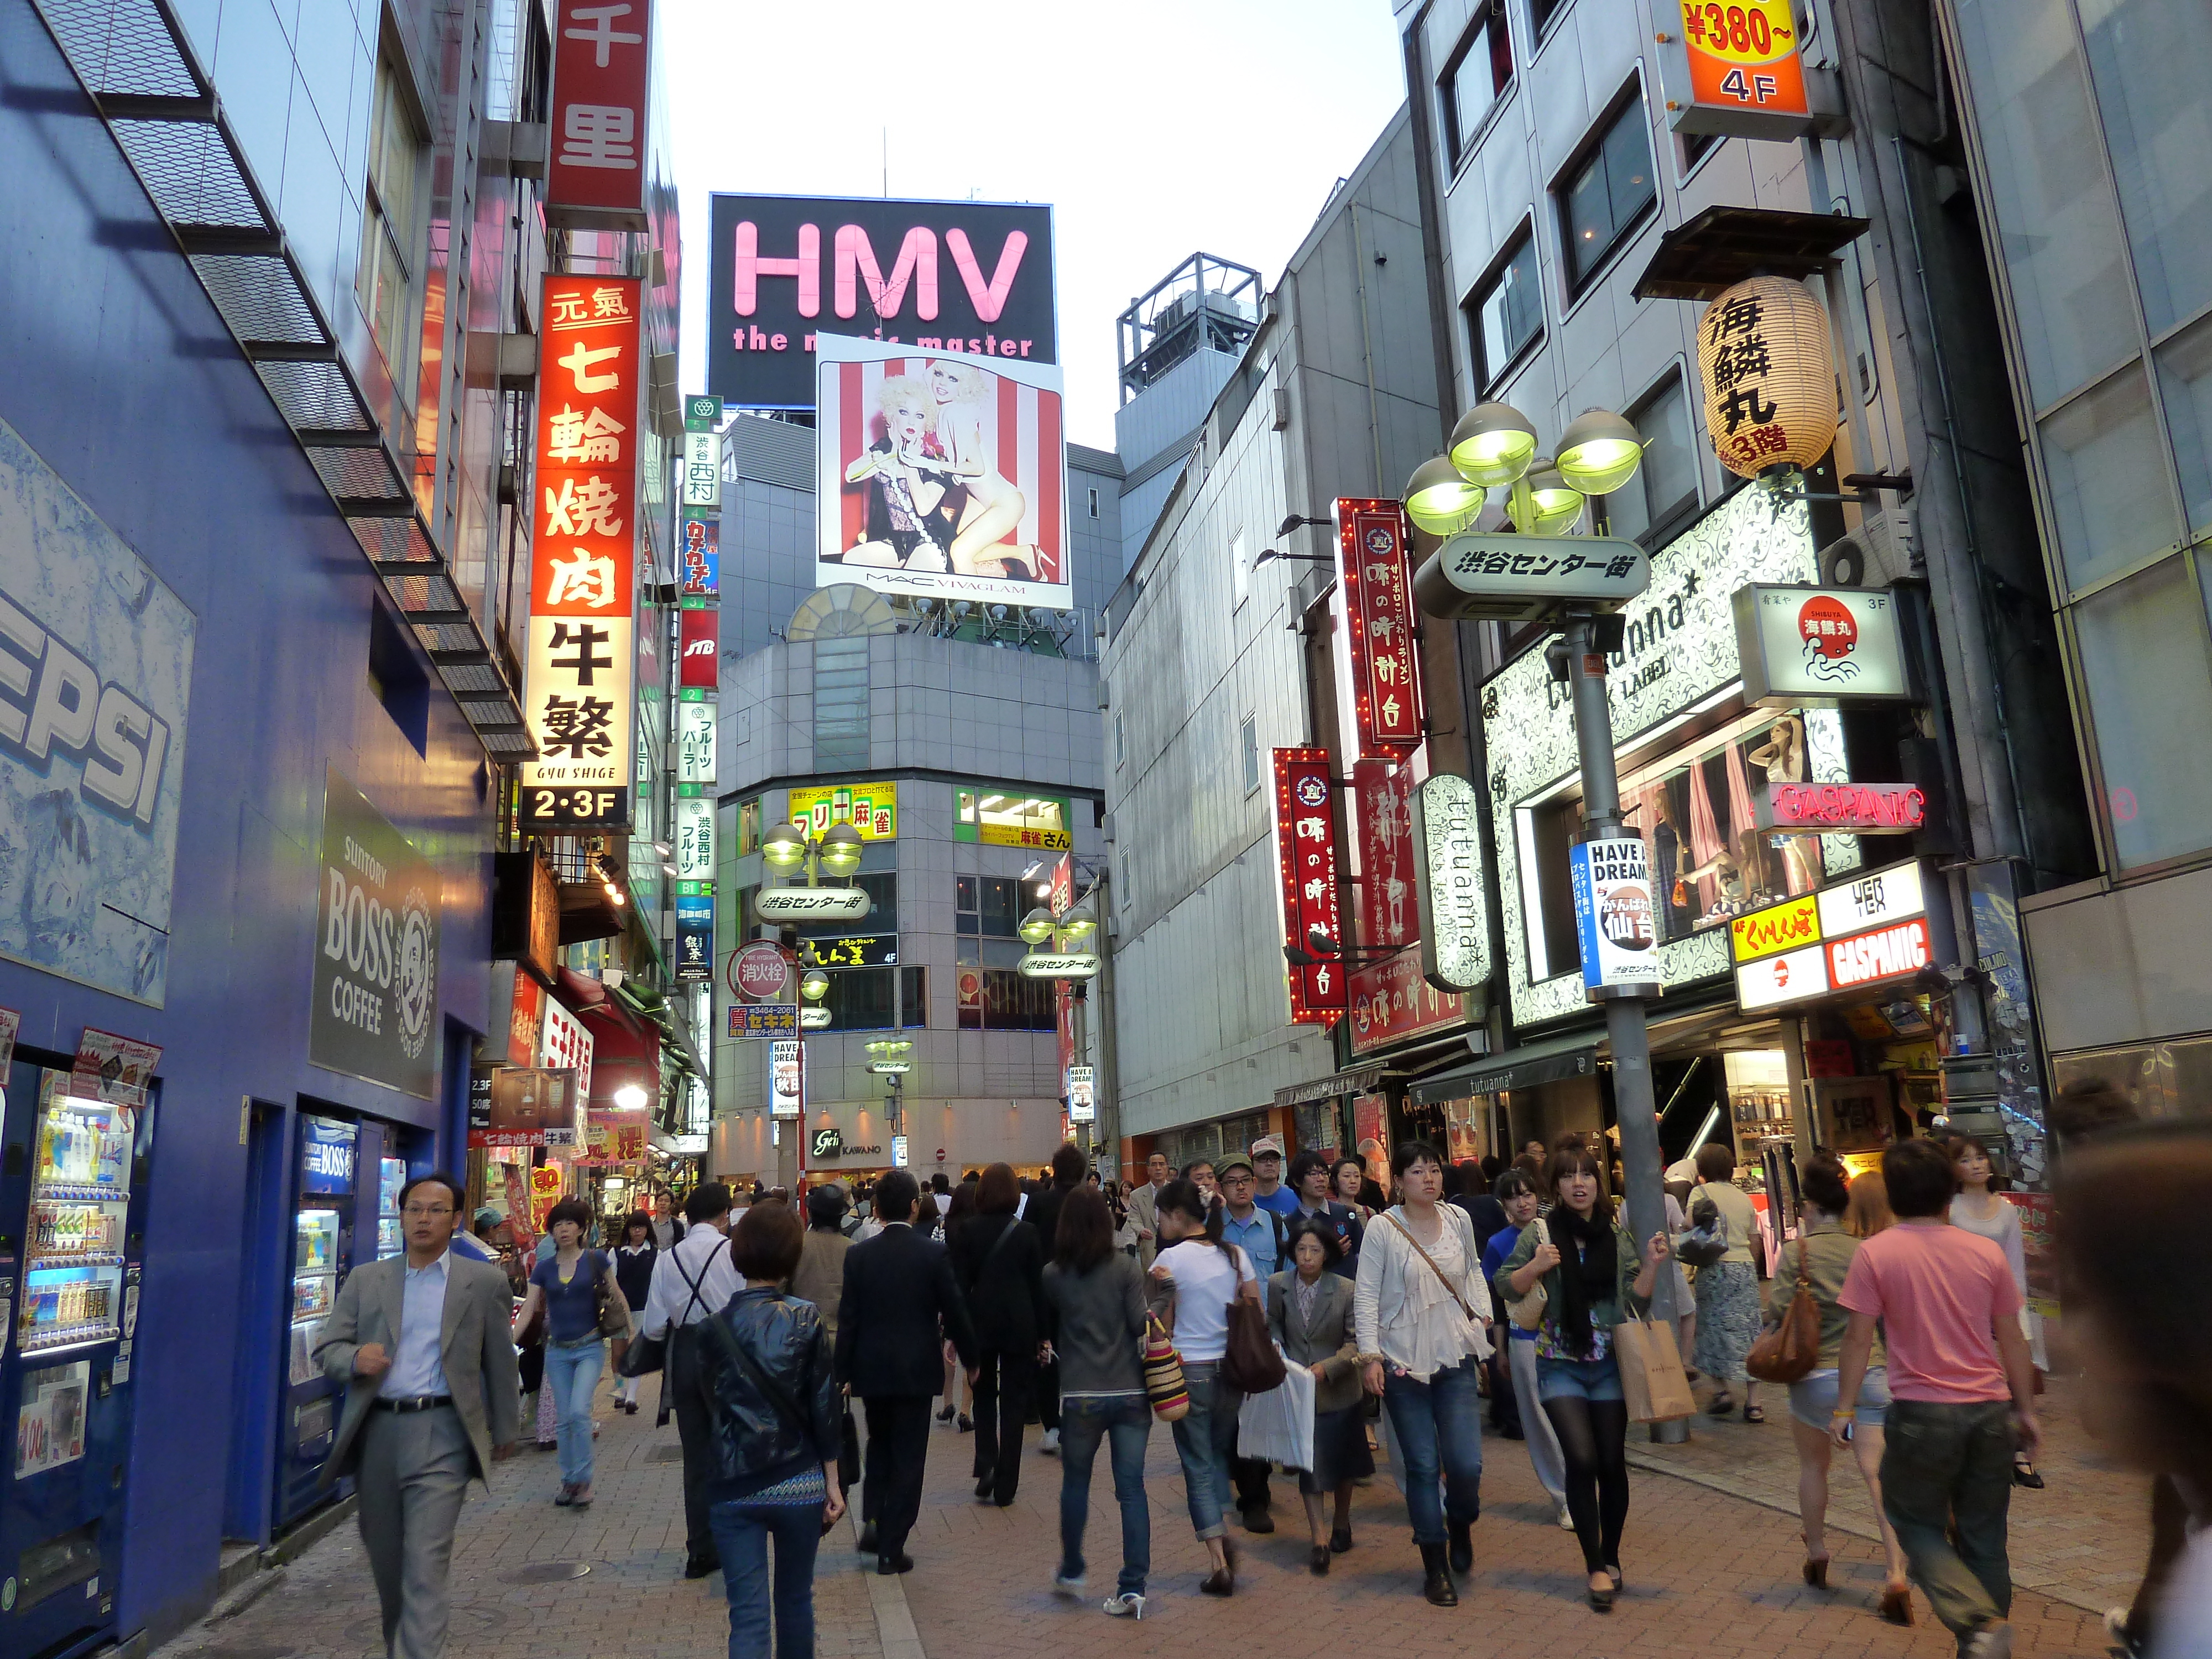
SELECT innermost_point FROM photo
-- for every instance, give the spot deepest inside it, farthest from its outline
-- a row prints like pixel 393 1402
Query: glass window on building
pixel 986 906
pixel 1000 1000
pixel 2158 1080
pixel 2148 676
pixel 2184 385
pixel 391 243
pixel 1250 738
pixel 1505 313
pixel 862 1000
pixel 1608 196
pixel 1666 487
pixel 1475 77
pixel 2110 501
pixel 840 704
pixel 1003 819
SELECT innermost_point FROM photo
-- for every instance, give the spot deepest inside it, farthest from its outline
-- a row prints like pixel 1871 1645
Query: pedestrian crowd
pixel 1299 1319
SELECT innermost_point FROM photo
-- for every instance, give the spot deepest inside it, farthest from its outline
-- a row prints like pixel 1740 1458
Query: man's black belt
pixel 413 1403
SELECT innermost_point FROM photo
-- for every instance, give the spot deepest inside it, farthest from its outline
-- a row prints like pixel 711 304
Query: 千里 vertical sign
pixel 579 687
pixel 602 79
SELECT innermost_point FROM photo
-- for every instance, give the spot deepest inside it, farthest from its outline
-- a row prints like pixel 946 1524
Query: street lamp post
pixel 1494 447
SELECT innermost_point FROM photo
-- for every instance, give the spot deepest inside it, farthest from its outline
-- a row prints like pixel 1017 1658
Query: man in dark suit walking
pixel 898 1286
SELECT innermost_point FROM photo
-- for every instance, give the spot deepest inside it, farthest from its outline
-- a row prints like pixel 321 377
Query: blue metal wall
pixel 116 368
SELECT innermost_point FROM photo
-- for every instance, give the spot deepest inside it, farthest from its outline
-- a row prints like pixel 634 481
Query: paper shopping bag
pixel 1651 1375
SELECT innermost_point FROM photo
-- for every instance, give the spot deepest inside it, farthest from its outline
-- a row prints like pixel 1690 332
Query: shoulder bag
pixel 1789 1351
pixel 609 1305
pixel 1527 1311
pixel 1408 1236
pixel 647 1354
pixel 1251 1363
pixel 1164 1381
pixel 781 1403
pixel 1707 1241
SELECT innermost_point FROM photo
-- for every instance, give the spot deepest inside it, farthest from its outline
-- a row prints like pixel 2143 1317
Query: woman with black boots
pixel 1582 1253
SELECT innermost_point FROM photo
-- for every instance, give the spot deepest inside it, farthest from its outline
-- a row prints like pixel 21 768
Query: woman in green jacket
pixel 1593 1278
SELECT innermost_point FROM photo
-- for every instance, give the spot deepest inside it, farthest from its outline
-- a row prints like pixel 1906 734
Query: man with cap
pixel 1272 1195
pixel 1261 1235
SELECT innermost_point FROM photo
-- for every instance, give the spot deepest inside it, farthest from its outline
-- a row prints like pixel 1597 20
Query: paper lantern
pixel 1768 376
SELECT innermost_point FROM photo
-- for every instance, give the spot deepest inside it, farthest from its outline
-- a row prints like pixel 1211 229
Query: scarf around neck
pixel 1594 1280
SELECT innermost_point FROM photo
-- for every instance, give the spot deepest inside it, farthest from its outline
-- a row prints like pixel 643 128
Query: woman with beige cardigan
pixel 1309 1312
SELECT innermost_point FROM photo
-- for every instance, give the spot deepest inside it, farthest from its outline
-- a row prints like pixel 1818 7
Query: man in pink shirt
pixel 1962 1393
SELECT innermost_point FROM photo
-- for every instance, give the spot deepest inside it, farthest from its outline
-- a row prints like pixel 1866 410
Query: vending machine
pixel 73 1180
pixel 346 1212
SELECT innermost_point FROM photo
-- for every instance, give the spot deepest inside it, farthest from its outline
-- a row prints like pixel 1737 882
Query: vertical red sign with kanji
pixel 1305 849
pixel 1389 1001
pixel 1376 591
pixel 595 174
pixel 579 677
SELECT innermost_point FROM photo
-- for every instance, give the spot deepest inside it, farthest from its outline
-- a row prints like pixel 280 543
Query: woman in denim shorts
pixel 1826 1251
pixel 1593 1278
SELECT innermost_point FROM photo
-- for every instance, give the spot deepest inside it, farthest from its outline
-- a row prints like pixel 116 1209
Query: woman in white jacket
pixel 1421 1314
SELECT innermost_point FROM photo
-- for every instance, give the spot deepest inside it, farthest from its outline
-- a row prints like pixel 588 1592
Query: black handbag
pixel 848 1453
pixel 647 1354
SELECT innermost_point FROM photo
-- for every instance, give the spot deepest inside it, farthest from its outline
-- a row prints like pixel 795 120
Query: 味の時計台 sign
pixel 1615 921
pixel 1499 578
pixel 1818 646
pixel 1454 921
pixel 375 978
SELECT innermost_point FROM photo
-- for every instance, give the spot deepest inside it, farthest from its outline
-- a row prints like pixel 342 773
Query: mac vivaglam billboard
pixel 940 474
pixel 973 276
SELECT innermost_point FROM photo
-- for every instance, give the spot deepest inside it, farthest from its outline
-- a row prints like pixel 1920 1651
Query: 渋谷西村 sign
pixel 1815 646
pixel 1454 924
pixel 376 976
pixel 1613 918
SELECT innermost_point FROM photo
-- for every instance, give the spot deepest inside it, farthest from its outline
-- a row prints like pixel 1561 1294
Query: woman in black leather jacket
pixel 764 1366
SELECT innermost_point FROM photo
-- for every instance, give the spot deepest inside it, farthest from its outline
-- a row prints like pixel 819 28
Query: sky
pixel 1155 129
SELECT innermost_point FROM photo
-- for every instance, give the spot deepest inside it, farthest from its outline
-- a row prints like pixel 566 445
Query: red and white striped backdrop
pixel 1027 437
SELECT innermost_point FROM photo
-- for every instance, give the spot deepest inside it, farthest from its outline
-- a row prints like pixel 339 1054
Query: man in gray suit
pixel 421 1343
pixel 1144 1208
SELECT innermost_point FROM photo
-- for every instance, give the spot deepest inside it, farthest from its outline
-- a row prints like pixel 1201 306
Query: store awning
pixel 1547 1061
pixel 1357 1080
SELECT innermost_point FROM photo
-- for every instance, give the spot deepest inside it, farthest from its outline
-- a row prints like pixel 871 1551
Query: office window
pixel 1000 1000
pixel 1240 571
pixel 1506 310
pixel 1691 147
pixel 1541 13
pixel 1094 503
pixel 860 1000
pixel 1127 886
pixel 986 906
pixel 1666 483
pixel 1250 737
pixel 1120 752
pixel 391 251
pixel 1475 77
pixel 1608 194
pixel 914 998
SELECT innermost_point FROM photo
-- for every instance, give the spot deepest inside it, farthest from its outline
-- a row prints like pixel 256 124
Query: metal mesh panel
pixel 121 47
pixel 189 172
pixel 448 636
pixel 315 395
pixel 429 592
pixel 357 472
pixel 260 298
pixel 391 540
pixel 476 677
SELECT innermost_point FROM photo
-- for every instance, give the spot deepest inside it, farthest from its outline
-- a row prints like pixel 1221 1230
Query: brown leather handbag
pixel 1792 1348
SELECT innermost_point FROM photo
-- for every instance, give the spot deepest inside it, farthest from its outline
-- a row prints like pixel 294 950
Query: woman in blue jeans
pixel 1194 1278
pixel 567 1284
pixel 1593 1279
pixel 775 1421
pixel 1421 1313
pixel 1094 1324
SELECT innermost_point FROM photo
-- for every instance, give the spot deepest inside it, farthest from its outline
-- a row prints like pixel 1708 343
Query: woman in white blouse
pixel 1421 1314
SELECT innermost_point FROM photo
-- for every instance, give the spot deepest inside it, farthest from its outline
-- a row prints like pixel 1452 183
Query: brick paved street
pixel 1709 1571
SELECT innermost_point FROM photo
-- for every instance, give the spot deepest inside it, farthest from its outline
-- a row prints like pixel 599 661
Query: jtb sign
pixel 973 276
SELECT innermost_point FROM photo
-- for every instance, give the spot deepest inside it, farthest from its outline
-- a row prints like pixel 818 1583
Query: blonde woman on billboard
pixel 993 508
pixel 906 505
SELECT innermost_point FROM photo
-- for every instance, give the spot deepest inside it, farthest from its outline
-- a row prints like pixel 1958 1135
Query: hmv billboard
pixel 968 277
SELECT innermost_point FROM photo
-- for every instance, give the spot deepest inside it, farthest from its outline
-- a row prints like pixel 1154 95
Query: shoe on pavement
pixel 1258 1521
pixel 867 1544
pixel 700 1567
pixel 1048 1443
pixel 1566 1519
pixel 566 1496
pixel 1339 1540
pixel 582 1500
pixel 1992 1641
pixel 2116 1626
pixel 1124 1605
pixel 889 1565
pixel 1068 1583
